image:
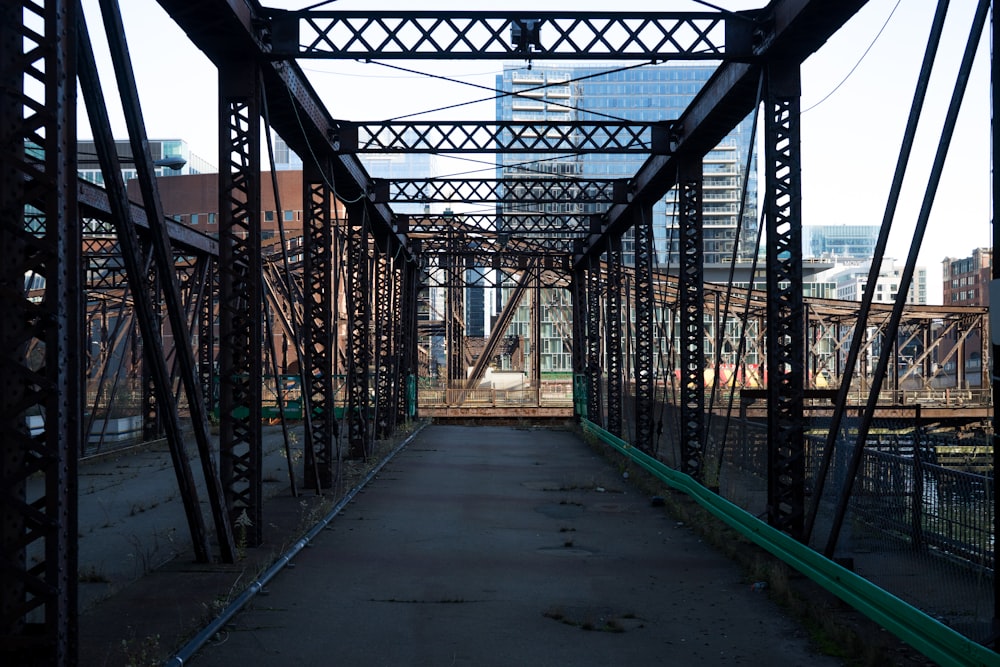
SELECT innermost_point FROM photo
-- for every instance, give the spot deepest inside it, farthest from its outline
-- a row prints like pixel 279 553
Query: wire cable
pixel 500 94
pixel 857 64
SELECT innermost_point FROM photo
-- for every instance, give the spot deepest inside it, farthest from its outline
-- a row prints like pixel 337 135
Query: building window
pixel 268 216
pixel 211 218
pixel 194 218
pixel 289 216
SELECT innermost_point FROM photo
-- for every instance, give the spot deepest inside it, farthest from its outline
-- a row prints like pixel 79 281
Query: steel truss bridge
pixel 92 284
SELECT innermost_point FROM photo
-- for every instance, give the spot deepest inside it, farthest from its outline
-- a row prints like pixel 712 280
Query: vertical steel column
pixel 208 308
pixel 785 312
pixel 994 334
pixel 240 299
pixel 594 411
pixel 613 336
pixel 41 401
pixel 317 322
pixel 358 330
pixel 397 375
pixel 535 275
pixel 692 313
pixel 384 368
pixel 151 422
pixel 454 314
pixel 579 295
pixel 644 328
pixel 407 340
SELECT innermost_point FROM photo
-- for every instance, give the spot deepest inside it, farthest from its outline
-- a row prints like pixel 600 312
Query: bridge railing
pixel 548 395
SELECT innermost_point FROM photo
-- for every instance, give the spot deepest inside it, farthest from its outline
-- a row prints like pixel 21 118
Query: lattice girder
pixel 507 190
pixel 504 136
pixel 785 308
pixel 692 335
pixel 317 331
pixel 240 301
pixel 613 337
pixel 464 35
pixel 644 325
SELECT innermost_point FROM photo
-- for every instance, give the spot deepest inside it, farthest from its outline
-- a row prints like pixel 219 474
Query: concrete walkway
pixel 501 546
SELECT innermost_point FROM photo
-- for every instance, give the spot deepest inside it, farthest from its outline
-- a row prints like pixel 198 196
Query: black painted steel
pixel 594 284
pixel 40 337
pixel 504 136
pixel 645 381
pixel 466 35
pixel 847 371
pixel 613 337
pixel 317 322
pixel 358 330
pixel 691 282
pixel 508 190
pixel 785 311
pixel 240 298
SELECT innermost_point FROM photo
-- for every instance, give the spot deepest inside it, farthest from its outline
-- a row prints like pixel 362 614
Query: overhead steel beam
pixel 504 136
pixel 534 35
pixel 791 31
pixel 507 190
pixel 560 224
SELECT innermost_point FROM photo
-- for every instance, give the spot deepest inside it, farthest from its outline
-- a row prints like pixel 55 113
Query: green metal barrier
pixel 935 640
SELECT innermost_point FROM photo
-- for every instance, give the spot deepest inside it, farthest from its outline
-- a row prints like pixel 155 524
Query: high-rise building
pixel 651 93
pixel 851 279
pixel 174 155
pixel 966 280
pixel 966 283
pixel 839 241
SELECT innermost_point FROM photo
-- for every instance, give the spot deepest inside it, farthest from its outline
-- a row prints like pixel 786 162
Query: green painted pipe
pixel 932 638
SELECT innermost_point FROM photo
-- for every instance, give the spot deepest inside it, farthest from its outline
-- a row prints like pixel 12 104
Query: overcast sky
pixel 856 106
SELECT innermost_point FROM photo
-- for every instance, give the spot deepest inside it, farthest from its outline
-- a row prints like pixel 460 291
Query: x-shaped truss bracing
pixel 508 190
pixel 606 136
pixel 495 35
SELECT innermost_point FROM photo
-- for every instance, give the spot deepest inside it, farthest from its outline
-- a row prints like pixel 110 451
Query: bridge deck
pixel 502 546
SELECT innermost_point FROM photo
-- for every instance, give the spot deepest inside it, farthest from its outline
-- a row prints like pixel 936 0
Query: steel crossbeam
pixel 317 323
pixel 500 136
pixel 559 225
pixel 40 333
pixel 502 191
pixel 240 299
pixel 785 309
pixel 468 35
pixel 692 308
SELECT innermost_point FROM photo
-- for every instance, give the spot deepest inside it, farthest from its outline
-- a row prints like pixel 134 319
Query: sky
pixel 856 94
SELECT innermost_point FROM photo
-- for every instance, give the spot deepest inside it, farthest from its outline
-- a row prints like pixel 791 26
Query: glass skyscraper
pixel 649 93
